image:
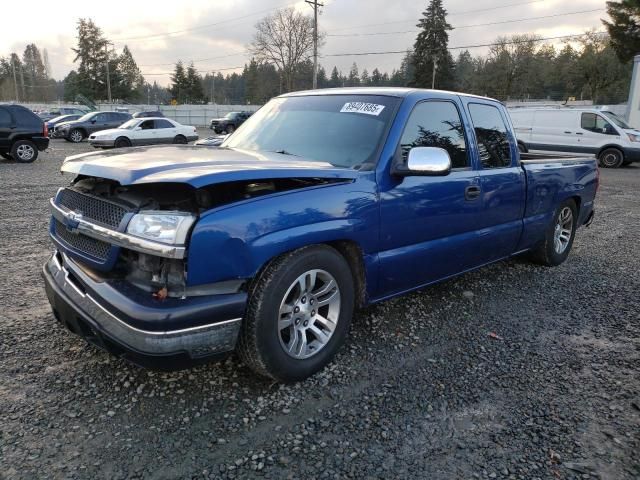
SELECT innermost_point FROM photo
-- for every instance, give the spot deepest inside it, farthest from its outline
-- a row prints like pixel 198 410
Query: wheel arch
pixel 612 145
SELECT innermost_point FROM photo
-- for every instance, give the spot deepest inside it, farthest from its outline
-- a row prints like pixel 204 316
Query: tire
pixel 76 135
pixel 549 252
pixel 180 140
pixel 24 151
pixel 270 341
pixel 610 158
pixel 6 155
pixel 230 129
pixel 122 142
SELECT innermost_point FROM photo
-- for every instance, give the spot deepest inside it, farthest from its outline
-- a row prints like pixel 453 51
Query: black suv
pixel 229 122
pixel 78 130
pixel 22 134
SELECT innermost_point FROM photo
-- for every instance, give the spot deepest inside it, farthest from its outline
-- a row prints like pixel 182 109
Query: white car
pixel 578 130
pixel 143 131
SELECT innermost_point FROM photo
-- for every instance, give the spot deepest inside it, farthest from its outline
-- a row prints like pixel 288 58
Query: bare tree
pixel 285 39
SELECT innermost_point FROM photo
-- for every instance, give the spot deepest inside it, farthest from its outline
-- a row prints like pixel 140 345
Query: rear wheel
pixel 24 151
pixel 298 314
pixel 122 142
pixel 180 139
pixel 559 236
pixel 76 136
pixel 611 158
pixel 230 129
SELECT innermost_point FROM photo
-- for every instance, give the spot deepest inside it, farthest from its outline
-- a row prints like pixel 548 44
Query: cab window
pixel 147 125
pixel 491 134
pixel 5 118
pixel 163 124
pixel 597 124
pixel 436 124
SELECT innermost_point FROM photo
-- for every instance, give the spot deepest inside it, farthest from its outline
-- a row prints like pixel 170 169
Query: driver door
pixel 595 132
pixel 428 224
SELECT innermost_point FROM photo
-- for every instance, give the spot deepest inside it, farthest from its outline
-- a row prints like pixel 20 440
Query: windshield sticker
pixel 362 107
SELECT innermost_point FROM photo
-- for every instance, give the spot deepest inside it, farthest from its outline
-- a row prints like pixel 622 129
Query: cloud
pixel 123 19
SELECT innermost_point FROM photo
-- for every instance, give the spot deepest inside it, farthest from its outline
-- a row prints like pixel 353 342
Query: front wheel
pixel 76 136
pixel 611 158
pixel 559 236
pixel 122 142
pixel 298 314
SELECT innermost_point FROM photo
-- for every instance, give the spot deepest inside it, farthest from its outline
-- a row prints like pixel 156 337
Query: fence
pixel 196 115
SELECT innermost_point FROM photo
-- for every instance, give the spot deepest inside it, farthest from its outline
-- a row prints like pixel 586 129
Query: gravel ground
pixel 514 371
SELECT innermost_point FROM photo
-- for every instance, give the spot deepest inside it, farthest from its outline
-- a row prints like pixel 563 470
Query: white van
pixel 579 130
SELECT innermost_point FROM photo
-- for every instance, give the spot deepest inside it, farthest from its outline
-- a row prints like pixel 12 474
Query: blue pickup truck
pixel 322 202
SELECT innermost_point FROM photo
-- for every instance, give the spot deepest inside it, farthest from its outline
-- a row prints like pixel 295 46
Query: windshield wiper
pixel 284 152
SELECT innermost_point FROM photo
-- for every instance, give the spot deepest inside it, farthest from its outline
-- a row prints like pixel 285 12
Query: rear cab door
pixel 502 181
pixel 165 131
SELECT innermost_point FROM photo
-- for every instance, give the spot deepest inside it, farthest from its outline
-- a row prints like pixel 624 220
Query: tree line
pixel 592 66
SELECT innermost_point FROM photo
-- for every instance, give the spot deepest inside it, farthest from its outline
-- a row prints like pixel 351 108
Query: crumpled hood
pixel 196 166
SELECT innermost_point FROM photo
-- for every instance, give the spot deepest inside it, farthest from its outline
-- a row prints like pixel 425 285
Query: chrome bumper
pixel 75 307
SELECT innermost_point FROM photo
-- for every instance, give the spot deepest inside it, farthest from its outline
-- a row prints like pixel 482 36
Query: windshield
pixel 343 130
pixel 130 124
pixel 60 118
pixel 87 117
pixel 617 120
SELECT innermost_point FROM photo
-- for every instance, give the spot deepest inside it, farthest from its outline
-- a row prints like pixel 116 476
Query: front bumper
pixel 98 143
pixel 166 335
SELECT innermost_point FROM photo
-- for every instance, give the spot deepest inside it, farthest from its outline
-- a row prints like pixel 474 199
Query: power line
pixel 462 46
pixel 200 27
pixel 450 14
pixel 199 71
pixel 244 52
pixel 468 26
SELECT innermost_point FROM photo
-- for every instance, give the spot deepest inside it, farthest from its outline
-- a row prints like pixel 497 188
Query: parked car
pixel 211 141
pixel 77 130
pixel 230 122
pixel 56 112
pixel 143 131
pixel 22 134
pixel 170 256
pixel 156 114
pixel 578 130
pixel 51 124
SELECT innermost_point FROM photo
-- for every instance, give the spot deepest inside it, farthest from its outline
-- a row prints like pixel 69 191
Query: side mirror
pixel 138 128
pixel 425 161
pixel 93 120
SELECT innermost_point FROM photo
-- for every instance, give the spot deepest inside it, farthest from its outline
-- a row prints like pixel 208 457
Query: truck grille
pixel 93 208
pixel 96 248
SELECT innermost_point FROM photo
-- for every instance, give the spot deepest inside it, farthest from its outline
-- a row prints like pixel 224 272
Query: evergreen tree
pixel 464 72
pixel 364 78
pixel 178 87
pixel 624 29
pixel 131 81
pixel 334 80
pixel 354 77
pixel 195 93
pixel 376 78
pixel 91 53
pixel 431 48
pixel 35 74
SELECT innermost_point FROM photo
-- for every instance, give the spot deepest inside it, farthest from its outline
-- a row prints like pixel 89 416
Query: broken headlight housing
pixel 166 227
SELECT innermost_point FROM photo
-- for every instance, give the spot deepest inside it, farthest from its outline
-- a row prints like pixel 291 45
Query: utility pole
pixel 433 75
pixel 106 51
pixel 148 95
pixel 213 84
pixel 15 82
pixel 315 4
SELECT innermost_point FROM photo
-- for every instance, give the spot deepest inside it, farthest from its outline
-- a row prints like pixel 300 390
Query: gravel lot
pixel 421 390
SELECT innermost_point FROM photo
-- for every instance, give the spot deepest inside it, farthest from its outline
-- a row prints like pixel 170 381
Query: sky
pixel 216 34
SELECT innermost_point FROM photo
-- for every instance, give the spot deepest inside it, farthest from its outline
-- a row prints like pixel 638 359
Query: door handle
pixel 579 133
pixel 472 192
pixel 566 132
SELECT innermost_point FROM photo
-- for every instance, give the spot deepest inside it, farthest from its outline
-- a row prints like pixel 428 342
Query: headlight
pixel 166 227
pixel 634 138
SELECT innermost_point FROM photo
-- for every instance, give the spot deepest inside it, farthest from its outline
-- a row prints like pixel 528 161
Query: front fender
pixel 234 242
